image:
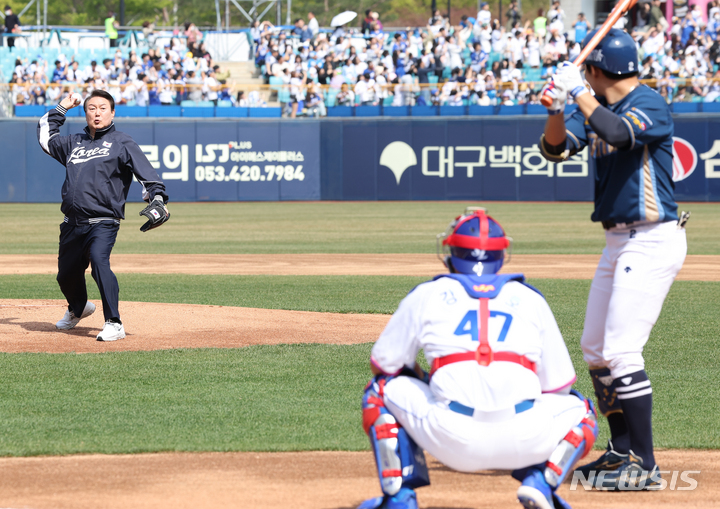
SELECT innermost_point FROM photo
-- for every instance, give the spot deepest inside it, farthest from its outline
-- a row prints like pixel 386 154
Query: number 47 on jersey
pixel 469 324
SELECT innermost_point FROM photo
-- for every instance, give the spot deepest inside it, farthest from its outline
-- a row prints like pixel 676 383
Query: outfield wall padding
pixel 353 159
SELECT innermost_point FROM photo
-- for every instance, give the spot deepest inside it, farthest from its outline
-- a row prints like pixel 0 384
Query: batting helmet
pixel 616 53
pixel 474 243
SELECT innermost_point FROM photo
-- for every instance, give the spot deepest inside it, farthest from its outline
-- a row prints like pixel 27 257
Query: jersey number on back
pixel 469 324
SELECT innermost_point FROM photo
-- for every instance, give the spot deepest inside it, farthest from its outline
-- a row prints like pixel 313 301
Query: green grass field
pixel 306 397
pixel 330 227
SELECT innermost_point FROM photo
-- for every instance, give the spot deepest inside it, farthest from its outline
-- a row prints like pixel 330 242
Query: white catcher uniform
pixel 512 416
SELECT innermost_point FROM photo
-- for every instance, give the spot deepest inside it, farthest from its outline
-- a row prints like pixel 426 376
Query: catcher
pixel 498 395
pixel 100 164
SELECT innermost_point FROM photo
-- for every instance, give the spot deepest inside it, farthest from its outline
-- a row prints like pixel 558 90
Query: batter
pixel 498 395
pixel 628 130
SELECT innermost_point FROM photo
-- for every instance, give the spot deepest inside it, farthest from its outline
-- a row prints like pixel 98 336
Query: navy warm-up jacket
pixel 99 170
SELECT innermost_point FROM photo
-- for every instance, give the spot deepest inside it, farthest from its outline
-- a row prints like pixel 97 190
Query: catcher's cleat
pixel 70 320
pixel 536 493
pixel 403 499
pixel 610 461
pixel 630 476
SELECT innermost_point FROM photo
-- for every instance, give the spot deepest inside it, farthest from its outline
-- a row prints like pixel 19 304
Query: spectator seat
pixel 340 111
pixel 395 111
pixel 515 109
pixel 452 111
pixel 476 109
pixel 198 111
pixel 424 111
pixel 685 107
pixel 239 112
pixel 367 111
pixel 164 111
pixel 265 112
pixel 30 110
pixel 128 111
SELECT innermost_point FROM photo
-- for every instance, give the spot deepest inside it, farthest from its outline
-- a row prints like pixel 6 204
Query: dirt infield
pixel 696 267
pixel 274 480
pixel 309 480
pixel 29 326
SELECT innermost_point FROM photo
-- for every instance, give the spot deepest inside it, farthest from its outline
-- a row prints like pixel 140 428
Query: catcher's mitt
pixel 156 212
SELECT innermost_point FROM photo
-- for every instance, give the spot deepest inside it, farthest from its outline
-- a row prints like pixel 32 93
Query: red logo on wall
pixel 684 159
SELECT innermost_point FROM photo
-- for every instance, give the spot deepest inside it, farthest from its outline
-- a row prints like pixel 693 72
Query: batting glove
pixel 557 92
pixel 569 74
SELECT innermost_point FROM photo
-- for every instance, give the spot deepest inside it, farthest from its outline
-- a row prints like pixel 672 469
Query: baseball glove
pixel 156 212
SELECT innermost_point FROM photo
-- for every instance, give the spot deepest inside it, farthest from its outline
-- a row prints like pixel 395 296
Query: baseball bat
pixel 620 9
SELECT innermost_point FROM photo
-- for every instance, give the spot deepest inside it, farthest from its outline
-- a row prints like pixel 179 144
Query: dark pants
pixel 80 246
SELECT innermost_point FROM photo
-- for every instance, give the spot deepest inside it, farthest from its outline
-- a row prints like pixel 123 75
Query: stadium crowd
pixel 179 71
pixel 480 61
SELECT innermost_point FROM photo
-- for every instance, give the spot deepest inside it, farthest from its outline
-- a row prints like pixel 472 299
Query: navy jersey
pixel 99 170
pixel 634 184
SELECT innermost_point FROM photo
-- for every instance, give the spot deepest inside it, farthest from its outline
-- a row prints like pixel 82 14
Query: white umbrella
pixel 343 18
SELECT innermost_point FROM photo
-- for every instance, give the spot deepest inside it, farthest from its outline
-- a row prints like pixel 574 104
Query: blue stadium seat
pixel 685 107
pixel 265 112
pixel 198 111
pixel 340 111
pixel 476 109
pixel 240 112
pixel 515 109
pixel 395 111
pixel 711 107
pixel 164 111
pixel 367 111
pixel 224 104
pixel 536 109
pixel 433 79
pixel 31 110
pixel 127 111
pixel 424 111
pixel 331 97
pixel 452 111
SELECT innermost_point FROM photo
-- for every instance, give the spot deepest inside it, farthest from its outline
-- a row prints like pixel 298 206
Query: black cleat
pixel 610 461
pixel 631 476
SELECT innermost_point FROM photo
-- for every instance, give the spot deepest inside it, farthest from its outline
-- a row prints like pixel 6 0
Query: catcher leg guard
pixel 400 462
pixel 576 444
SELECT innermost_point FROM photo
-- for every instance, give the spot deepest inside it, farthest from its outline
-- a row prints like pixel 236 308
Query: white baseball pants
pixel 636 270
pixel 466 444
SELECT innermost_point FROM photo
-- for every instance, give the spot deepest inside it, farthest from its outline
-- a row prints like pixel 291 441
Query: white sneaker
pixel 111 332
pixel 70 320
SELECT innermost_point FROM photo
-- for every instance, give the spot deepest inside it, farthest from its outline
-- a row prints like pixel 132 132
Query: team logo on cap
pixel 685 159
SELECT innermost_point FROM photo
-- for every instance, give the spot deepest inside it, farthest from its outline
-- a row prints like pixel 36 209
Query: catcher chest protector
pixel 400 462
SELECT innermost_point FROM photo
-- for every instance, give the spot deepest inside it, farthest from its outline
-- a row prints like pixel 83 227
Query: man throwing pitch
pixel 100 164
pixel 499 394
pixel 628 130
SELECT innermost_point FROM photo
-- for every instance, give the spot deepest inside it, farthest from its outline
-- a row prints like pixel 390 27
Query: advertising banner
pixel 487 159
pixel 198 160
pixel 354 159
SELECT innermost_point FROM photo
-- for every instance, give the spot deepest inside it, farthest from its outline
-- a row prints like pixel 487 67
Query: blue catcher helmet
pixel 616 53
pixel 474 243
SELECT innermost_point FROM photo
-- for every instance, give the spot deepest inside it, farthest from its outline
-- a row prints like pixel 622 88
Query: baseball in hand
pixel 76 99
